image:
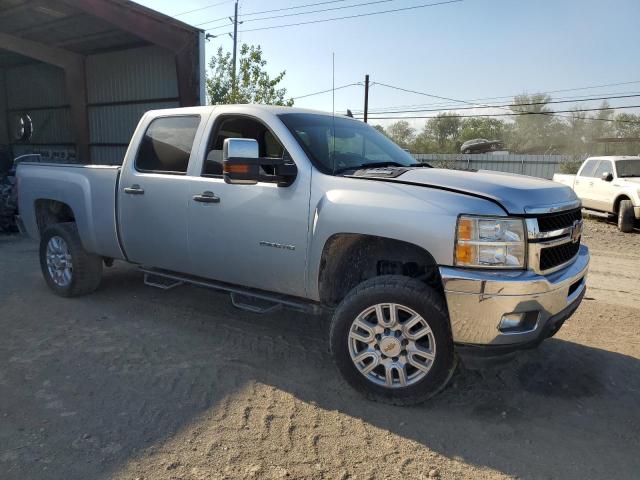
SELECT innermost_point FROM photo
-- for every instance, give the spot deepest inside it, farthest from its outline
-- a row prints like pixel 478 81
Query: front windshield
pixel 628 168
pixel 338 144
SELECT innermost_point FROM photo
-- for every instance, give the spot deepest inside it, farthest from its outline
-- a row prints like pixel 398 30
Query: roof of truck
pixel 243 108
pixel 615 158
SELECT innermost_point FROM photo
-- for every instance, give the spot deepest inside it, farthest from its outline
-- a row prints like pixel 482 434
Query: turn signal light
pixel 465 229
pixel 236 168
pixel 465 254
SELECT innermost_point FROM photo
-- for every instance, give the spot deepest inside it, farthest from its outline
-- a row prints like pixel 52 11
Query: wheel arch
pixel 350 258
pixel 49 212
pixel 618 200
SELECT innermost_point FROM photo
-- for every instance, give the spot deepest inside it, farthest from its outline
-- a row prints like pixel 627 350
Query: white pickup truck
pixel 608 186
pixel 289 207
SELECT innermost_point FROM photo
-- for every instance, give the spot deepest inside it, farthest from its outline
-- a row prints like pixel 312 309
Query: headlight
pixel 488 242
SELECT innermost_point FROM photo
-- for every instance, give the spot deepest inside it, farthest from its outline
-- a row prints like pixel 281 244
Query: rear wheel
pixel 390 339
pixel 626 216
pixel 67 267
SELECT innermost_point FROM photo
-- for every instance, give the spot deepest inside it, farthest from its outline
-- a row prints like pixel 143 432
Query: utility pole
pixel 235 48
pixel 366 97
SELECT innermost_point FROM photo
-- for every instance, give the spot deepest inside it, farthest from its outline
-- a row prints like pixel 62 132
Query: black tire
pixel 423 300
pixel 87 267
pixel 626 216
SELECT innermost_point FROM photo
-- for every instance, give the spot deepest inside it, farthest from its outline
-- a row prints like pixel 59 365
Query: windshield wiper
pixel 380 165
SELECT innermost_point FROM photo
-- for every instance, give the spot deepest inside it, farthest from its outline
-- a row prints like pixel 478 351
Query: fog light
pixel 511 321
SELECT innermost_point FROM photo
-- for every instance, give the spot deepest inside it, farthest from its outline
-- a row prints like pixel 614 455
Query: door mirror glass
pixel 607 176
pixel 241 161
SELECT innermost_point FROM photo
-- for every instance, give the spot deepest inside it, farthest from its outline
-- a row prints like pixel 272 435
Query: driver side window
pixel 238 127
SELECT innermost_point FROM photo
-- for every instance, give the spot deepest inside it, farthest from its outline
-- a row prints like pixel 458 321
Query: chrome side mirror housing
pixel 241 161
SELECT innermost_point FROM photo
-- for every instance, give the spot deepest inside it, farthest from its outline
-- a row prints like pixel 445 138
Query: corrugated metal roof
pixel 67 24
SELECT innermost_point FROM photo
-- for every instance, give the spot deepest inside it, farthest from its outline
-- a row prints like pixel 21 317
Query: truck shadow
pixel 129 370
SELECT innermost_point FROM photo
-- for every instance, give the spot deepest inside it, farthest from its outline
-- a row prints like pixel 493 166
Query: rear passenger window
pixel 589 168
pixel 166 145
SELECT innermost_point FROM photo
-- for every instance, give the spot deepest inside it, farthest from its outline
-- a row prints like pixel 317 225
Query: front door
pixel 250 235
pixel 153 195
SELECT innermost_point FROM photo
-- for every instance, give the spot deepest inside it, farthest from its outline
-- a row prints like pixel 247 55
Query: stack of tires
pixel 8 192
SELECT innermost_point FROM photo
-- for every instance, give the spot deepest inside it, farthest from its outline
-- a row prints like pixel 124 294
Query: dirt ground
pixel 132 382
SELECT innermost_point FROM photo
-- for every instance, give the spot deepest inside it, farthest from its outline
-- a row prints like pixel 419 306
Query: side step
pixel 158 281
pixel 595 213
pixel 253 304
pixel 249 299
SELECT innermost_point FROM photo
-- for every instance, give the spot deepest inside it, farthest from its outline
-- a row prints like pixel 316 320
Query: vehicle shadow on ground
pixel 97 380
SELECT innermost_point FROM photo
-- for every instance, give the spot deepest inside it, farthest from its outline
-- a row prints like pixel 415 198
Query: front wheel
pixel 626 216
pixel 67 267
pixel 390 339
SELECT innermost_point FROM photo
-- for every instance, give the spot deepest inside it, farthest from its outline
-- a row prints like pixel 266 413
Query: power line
pixel 380 109
pixel 510 114
pixel 353 16
pixel 511 104
pixel 327 91
pixel 311 12
pixel 202 8
pixel 272 11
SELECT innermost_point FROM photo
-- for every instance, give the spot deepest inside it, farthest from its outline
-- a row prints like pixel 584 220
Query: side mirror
pixel 242 164
pixel 240 161
pixel 607 176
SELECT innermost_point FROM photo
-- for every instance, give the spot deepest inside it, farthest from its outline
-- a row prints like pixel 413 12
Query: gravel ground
pixel 132 382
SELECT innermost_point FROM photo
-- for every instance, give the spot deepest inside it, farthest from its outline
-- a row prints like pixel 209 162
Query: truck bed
pixel 88 190
pixel 564 179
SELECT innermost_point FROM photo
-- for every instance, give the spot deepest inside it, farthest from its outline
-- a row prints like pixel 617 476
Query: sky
pixel 466 50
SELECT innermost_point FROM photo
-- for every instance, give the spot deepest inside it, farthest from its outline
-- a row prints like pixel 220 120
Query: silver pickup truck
pixel 322 213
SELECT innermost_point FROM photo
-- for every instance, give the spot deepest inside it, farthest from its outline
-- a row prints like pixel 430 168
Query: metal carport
pixel 85 70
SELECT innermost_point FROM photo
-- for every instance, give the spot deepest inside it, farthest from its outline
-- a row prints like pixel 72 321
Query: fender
pixel 424 217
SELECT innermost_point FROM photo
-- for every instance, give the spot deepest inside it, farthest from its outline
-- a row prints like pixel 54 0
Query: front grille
pixel 551 257
pixel 557 221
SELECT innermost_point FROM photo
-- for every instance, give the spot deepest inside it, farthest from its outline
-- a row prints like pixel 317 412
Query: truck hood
pixel 517 194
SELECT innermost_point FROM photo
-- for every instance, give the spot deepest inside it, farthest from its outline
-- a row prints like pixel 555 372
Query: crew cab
pixel 609 186
pixel 321 213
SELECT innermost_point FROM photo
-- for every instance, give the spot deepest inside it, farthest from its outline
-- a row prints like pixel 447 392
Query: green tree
pixel 481 127
pixel 445 130
pixel 402 133
pixel 380 128
pixel 536 129
pixel 253 83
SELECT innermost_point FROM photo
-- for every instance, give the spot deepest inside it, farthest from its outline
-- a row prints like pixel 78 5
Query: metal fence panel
pixel 542 166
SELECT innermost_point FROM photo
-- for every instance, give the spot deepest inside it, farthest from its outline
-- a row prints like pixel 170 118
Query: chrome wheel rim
pixel 392 345
pixel 59 263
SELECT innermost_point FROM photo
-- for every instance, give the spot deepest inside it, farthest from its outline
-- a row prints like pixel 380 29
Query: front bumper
pixel 478 300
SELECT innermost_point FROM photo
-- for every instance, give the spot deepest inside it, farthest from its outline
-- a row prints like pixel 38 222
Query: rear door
pixel 153 195
pixel 584 183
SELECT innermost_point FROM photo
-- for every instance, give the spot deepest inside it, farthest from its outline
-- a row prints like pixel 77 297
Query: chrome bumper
pixel 478 299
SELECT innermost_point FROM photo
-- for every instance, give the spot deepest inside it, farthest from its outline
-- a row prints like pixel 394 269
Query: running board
pixel 596 213
pixel 251 300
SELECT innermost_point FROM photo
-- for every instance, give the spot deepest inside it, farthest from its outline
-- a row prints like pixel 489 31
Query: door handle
pixel 206 197
pixel 591 184
pixel 134 190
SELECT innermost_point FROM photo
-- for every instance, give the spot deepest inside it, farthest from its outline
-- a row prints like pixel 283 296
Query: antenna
pixel 333 112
